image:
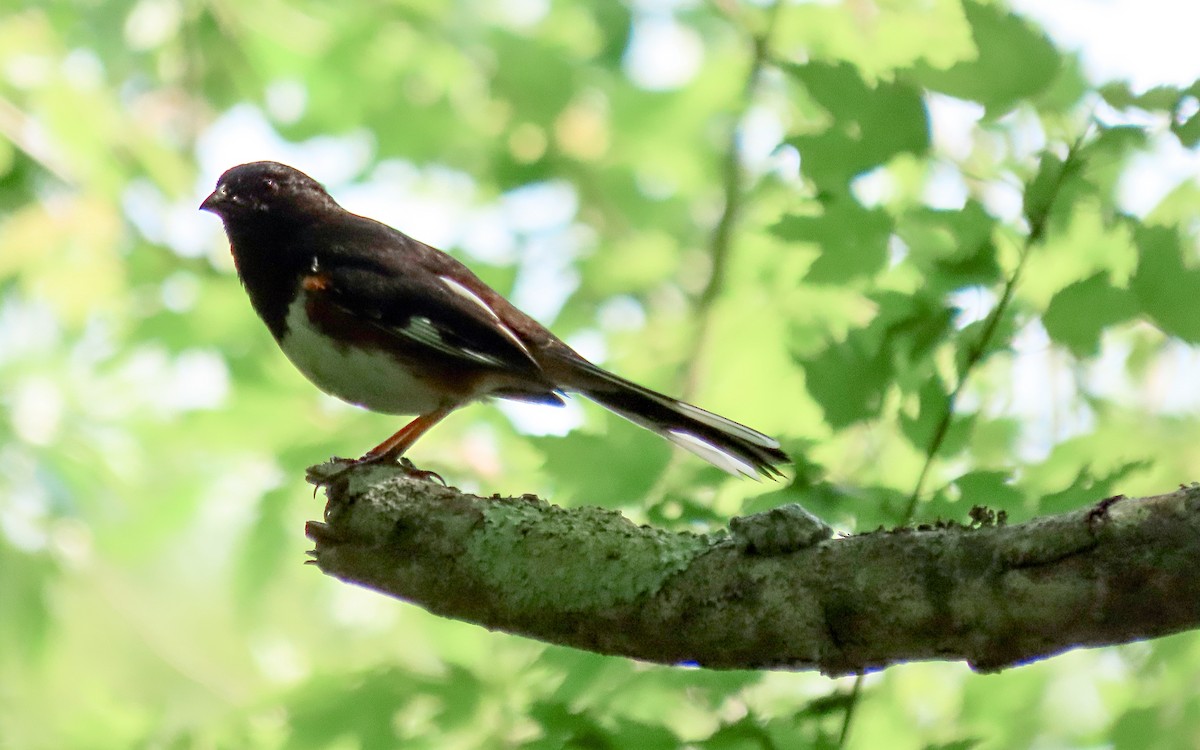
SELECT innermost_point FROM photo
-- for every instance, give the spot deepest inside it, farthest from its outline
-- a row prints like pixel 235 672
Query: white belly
pixel 365 377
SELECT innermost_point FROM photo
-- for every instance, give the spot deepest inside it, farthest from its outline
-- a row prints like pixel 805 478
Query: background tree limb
pixel 774 591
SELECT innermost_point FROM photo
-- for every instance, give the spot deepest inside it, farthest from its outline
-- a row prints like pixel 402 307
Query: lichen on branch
pixel 779 590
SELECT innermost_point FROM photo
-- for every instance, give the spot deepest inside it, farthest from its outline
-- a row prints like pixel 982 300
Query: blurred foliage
pixel 944 287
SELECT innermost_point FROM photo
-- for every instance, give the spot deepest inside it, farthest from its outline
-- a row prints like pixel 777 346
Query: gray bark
pixel 777 590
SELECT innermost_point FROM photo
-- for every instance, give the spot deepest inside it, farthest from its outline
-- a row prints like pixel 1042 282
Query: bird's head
pixel 267 191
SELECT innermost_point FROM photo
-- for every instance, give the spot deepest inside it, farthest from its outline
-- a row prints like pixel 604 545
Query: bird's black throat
pixel 270 267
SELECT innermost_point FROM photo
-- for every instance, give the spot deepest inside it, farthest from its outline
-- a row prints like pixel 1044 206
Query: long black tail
pixel 722 442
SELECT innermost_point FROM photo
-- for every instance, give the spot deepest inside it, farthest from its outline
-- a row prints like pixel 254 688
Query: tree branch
pixel 776 590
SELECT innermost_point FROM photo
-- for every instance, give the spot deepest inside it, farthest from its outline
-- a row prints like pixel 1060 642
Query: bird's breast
pixel 350 367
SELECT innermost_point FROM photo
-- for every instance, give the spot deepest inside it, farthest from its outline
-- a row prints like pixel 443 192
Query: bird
pixel 389 323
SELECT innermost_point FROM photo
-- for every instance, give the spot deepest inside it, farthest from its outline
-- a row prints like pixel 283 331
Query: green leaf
pixel 1042 191
pixel 852 240
pixel 922 429
pixel 1015 61
pixel 1118 94
pixel 1088 488
pixel 991 488
pixel 871 123
pixel 836 702
pixel 953 247
pixel 264 548
pixel 1159 98
pixel 1166 289
pixel 535 77
pixel 1104 157
pixel 628 733
pixel 910 326
pixel 633 459
pixel 746 734
pixel 993 441
pixel 1187 131
pixel 848 380
pixel 1079 313
pixel 977 341
pixel 1141 728
pixel 25 582
pixel 363 705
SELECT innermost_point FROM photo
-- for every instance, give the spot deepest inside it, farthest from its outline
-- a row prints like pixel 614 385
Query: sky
pixel 1146 42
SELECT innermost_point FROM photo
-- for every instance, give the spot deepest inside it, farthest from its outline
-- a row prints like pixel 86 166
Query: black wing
pixel 410 290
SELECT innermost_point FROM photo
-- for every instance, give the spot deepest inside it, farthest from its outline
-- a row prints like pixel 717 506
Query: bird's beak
pixel 216 200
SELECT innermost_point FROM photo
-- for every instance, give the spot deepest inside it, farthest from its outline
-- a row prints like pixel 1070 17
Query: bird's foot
pixel 411 469
pixel 337 468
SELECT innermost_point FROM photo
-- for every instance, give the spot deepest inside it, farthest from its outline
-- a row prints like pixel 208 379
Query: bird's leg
pixel 395 446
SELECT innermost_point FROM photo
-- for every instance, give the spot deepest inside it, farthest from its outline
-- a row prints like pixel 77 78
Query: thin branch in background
pixel 721 243
pixel 1037 231
pixel 852 702
pixel 25 133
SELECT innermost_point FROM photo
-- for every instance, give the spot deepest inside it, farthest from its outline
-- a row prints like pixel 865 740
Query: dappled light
pixel 947 257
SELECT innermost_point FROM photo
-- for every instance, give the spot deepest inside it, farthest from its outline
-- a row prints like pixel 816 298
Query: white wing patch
pixel 467 294
pixel 423 330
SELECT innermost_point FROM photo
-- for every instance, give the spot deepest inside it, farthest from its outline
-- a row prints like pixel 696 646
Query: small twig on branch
pixel 777 590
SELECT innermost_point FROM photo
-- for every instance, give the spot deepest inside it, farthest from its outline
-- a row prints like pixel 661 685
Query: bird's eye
pixel 270 185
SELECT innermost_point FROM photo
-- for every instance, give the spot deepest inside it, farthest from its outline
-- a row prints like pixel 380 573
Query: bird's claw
pixel 337 468
pixel 411 469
